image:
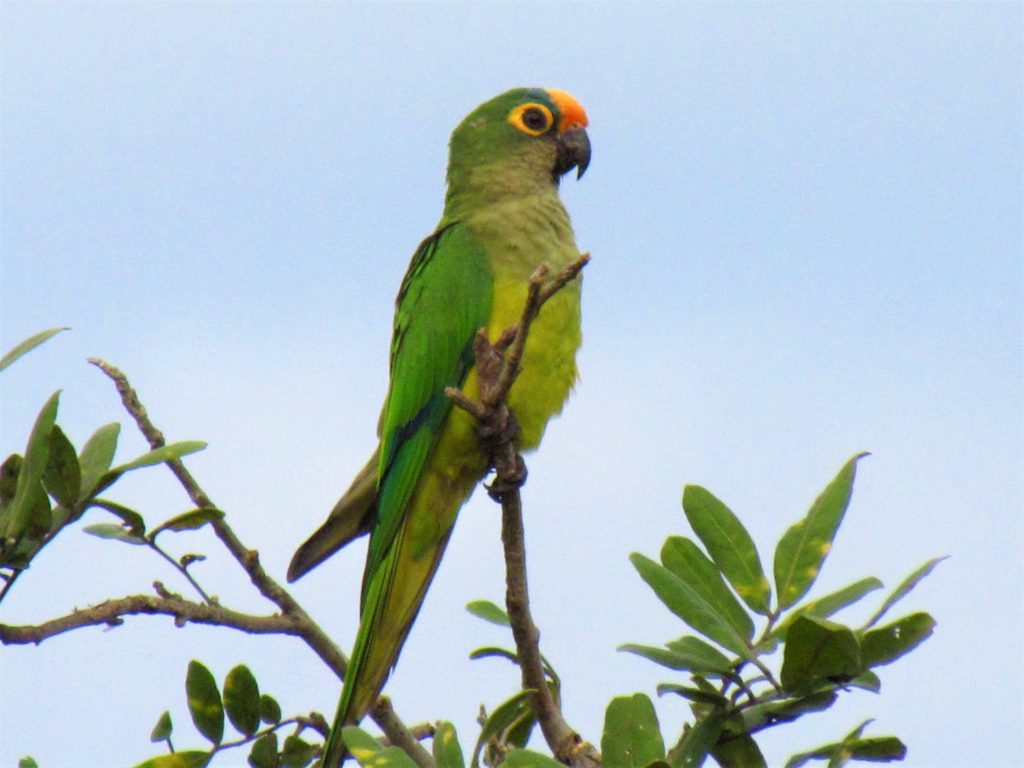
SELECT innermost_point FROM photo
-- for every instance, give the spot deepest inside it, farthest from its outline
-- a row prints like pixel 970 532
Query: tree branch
pixel 303 625
pixel 497 368
pixel 111 613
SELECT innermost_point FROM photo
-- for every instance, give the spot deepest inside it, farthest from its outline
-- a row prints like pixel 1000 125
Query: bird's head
pixel 518 140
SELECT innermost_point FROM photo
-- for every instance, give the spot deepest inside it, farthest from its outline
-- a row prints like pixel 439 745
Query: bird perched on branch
pixel 502 218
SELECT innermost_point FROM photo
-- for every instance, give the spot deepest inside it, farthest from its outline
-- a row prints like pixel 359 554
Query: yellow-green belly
pixel 546 378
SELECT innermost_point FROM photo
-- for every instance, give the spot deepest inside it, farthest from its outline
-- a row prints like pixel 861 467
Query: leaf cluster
pixel 52 484
pixel 254 715
pixel 721 592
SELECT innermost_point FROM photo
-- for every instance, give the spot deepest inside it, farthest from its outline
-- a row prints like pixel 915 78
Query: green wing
pixel 444 300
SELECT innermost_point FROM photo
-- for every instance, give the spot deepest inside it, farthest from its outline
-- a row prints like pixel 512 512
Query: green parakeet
pixel 502 218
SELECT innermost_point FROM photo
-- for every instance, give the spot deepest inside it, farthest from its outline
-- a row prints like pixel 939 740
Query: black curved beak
pixel 573 152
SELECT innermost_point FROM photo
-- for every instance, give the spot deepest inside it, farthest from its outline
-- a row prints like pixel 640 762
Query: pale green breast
pixel 519 235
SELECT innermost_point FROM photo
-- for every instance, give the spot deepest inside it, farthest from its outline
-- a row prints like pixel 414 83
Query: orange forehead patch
pixel 573 114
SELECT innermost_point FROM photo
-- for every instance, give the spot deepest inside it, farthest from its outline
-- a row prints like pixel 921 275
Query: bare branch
pixel 566 744
pixel 111 613
pixel 247 558
pixel 398 734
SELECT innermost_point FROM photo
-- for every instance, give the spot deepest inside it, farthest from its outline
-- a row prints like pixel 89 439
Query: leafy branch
pixel 51 468
pixel 821 659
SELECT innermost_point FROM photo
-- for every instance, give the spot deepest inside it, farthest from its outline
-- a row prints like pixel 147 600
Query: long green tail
pixel 394 597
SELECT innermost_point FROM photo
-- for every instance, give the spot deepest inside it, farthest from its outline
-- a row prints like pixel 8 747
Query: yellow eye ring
pixel 532 119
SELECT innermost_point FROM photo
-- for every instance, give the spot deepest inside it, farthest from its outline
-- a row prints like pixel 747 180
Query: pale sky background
pixel 806 229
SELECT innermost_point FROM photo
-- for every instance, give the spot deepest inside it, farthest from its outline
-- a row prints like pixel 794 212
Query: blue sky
pixel 806 228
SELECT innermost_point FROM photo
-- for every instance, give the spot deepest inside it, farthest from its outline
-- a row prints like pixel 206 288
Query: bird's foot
pixel 508 480
pixel 499 431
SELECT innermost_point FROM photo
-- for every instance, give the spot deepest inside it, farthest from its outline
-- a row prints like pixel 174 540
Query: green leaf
pixel 28 345
pixel 519 732
pixel 447 752
pixel 694 748
pixel 714 698
pixel 114 531
pixel 270 710
pixel 9 471
pixel 296 753
pixel 360 744
pixel 685 560
pixel 162 730
pixel 738 752
pixel 62 477
pixel 488 611
pixel 830 604
pixel 818 652
pixel 834 602
pixel 526 758
pixel 242 700
pixel 370 753
pixel 390 757
pixel 729 545
pixel 188 521
pixel 160 455
pixel 843 754
pixel 25 501
pixel 132 519
pixel 37 520
pixel 491 651
pixel 700 651
pixel 716 665
pixel 96 457
pixel 901 591
pixel 821 753
pixel 27 762
pixel 631 737
pixel 883 749
pixel 866 681
pixel 191 759
pixel 264 751
pixel 39 517
pixel 803 548
pixel 152 458
pixel 886 644
pixel 685 603
pixel 772 713
pixel 503 719
pixel 204 702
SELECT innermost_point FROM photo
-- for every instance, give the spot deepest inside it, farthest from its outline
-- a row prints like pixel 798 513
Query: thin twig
pixel 181 569
pixel 767 674
pixel 9 580
pixel 382 714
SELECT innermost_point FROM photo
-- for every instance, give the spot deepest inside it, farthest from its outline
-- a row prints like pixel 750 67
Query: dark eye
pixel 535 120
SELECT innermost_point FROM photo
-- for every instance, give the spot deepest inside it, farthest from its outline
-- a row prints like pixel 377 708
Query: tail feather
pixel 394 598
pixel 351 518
